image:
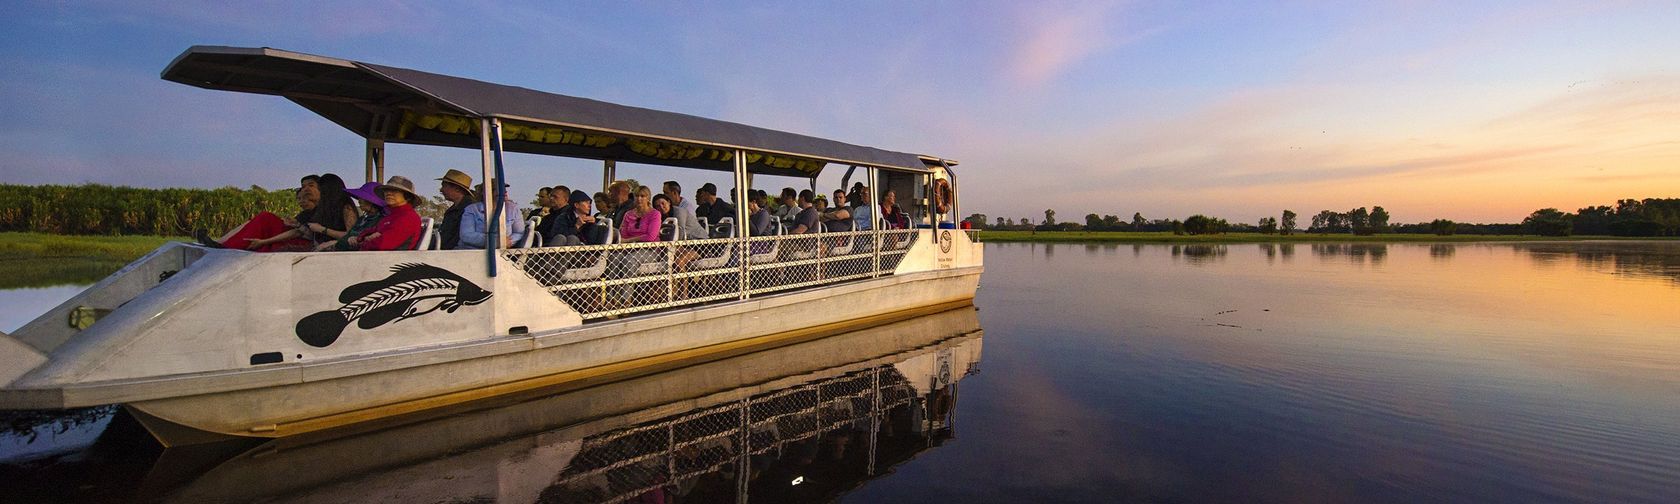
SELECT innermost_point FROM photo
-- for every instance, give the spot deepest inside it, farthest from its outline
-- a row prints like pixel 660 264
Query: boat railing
pixel 623 464
pixel 627 278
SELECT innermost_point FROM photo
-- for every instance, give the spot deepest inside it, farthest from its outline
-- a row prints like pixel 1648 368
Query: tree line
pixel 1629 217
pixel 98 209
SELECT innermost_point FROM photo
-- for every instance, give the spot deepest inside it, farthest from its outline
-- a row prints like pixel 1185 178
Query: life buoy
pixel 942 195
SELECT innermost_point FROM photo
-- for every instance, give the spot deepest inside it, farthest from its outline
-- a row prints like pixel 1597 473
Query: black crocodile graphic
pixel 403 295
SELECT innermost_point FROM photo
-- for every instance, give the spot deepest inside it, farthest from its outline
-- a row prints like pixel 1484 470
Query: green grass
pixel 43 260
pixel 1165 237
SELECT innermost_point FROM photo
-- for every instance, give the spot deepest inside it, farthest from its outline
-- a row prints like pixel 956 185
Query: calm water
pixel 1342 373
pixel 1251 373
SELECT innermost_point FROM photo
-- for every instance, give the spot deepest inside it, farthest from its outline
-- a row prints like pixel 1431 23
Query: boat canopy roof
pixel 400 105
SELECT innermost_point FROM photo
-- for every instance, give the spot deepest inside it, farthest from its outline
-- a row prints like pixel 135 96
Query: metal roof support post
pixel 609 171
pixel 929 200
pixel 875 221
pixel 498 237
pixel 485 170
pixel 742 224
pixel 376 134
pixel 375 155
pixel 873 198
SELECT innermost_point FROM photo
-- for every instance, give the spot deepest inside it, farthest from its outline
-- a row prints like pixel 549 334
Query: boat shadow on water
pixel 804 422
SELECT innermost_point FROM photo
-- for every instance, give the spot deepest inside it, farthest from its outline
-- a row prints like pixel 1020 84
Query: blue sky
pixel 1474 111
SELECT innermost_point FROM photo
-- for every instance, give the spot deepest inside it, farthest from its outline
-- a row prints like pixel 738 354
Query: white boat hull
pixel 588 355
pixel 175 351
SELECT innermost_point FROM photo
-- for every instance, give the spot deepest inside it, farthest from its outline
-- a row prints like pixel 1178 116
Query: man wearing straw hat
pixel 456 188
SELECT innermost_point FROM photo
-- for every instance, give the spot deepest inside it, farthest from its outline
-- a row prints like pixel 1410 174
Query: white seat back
pixel 675 227
pixel 531 239
pixel 426 234
pixel 729 224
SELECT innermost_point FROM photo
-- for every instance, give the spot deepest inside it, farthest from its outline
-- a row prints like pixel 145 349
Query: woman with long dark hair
pixel 335 214
pixel 371 205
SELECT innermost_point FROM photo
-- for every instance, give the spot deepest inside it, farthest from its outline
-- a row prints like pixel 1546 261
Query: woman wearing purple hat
pixel 371 208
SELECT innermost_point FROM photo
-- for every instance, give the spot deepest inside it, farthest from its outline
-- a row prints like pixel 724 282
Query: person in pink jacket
pixel 641 223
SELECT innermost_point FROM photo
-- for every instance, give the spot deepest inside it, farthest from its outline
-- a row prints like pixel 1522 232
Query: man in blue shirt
pixel 473 232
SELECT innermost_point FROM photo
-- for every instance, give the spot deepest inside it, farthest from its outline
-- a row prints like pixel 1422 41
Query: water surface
pixel 1335 372
pixel 1525 372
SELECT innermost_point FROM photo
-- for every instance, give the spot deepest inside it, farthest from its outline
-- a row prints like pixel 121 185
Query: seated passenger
pixel 641 224
pixel 673 191
pixel 267 232
pixel 575 226
pixel 618 202
pixel 456 188
pixel 641 220
pixel 759 220
pixel 806 221
pixel 858 199
pixel 667 232
pixel 891 216
pixel 370 205
pixel 713 209
pixel 557 203
pixel 683 255
pixel 839 217
pixel 544 206
pixel 334 215
pixel 787 207
pixel 473 232
pixel 691 228
pixel 399 229
pixel 603 205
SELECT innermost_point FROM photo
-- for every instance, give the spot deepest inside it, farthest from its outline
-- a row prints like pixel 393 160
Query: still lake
pixel 1512 372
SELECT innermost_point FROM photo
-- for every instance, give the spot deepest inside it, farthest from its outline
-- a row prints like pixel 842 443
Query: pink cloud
pixel 1053 39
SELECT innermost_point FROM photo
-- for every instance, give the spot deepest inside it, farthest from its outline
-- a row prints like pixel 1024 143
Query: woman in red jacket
pixel 400 228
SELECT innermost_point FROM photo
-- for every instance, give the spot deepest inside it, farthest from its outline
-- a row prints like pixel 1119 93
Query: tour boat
pixel 203 344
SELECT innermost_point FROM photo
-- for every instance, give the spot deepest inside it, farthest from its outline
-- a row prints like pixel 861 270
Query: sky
pixel 1470 111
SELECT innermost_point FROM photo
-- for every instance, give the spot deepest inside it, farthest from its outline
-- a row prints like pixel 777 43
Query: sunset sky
pixel 1472 111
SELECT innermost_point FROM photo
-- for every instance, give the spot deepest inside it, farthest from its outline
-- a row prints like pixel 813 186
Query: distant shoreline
pixel 1167 237
pixel 34 260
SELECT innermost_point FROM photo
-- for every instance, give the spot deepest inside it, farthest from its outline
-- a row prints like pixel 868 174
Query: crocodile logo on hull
pixel 411 290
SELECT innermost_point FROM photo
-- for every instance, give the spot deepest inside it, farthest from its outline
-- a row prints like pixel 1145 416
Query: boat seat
pixel 844 245
pixel 724 256
pixel 426 234
pixel 727 227
pixel 815 239
pixel 650 268
pixel 532 238
pixel 675 229
pixel 714 262
pixel 896 242
pixel 768 255
pixel 599 267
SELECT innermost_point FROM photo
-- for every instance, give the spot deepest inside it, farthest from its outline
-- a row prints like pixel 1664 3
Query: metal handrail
pixel 626 278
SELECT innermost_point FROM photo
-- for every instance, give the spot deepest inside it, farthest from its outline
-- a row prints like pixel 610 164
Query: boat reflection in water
pixel 798 423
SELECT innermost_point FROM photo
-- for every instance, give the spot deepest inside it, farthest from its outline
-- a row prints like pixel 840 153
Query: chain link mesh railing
pixel 672 454
pixel 621 279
